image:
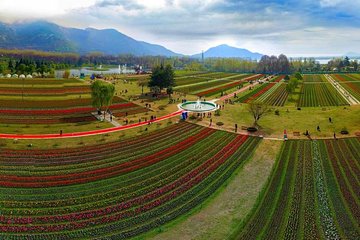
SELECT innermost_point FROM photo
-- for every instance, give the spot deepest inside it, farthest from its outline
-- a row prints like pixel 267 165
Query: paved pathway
pixel 107 118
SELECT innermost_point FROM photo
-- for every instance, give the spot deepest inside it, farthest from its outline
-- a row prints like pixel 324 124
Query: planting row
pixel 276 96
pixel 313 78
pixel 51 104
pixel 313 193
pixel 350 83
pixel 45 91
pixel 226 87
pixel 144 186
pixel 320 94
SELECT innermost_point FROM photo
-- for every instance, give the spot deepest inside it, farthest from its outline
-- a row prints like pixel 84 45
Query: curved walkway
pixel 87 133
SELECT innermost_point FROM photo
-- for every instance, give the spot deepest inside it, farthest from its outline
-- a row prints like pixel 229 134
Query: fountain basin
pixel 198 106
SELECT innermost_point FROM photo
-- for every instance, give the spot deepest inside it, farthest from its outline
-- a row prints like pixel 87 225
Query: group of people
pixel 307 133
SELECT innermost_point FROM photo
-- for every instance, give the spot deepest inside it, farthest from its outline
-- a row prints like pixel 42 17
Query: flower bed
pixel 308 184
pixel 178 178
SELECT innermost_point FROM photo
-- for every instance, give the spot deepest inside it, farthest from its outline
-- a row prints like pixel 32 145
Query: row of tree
pixel 273 64
pixel 28 61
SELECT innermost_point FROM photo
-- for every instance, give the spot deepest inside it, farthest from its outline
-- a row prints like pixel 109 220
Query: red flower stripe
pixel 93 175
pixel 183 184
pixel 25 112
pixel 45 91
pixel 270 85
pixel 87 153
pixel 233 84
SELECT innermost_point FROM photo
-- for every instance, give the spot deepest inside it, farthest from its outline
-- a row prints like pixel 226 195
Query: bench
pixel 296 134
pixel 244 127
pixel 357 134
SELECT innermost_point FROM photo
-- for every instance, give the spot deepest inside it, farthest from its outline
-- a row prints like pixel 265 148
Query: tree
pixel 291 85
pixel 102 94
pixel 142 82
pixel 66 73
pixel 169 91
pixel 162 77
pixel 283 64
pixel 298 76
pixel 257 110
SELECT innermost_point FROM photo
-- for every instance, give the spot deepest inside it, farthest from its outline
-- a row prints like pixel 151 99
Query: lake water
pixel 88 72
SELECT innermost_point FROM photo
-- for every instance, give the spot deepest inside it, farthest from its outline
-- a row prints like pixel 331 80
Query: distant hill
pixel 45 36
pixel 226 51
pixel 352 54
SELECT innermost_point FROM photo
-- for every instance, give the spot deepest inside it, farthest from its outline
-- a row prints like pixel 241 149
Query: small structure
pixel 15 76
pixel 8 75
pixel 29 76
pixel 198 106
pixel 22 76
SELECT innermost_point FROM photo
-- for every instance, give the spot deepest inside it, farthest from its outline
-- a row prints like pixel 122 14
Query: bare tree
pixel 257 110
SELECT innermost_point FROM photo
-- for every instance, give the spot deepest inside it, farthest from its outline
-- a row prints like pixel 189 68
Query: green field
pixel 312 193
pixel 316 92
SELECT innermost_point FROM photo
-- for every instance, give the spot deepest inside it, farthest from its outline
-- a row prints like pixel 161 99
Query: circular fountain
pixel 198 106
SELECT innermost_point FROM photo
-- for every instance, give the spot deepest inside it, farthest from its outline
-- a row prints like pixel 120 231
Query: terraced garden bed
pixel 119 189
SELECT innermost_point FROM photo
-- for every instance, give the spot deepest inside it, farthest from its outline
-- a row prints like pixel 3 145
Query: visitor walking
pixel 330 120
pixel 210 122
pixel 335 136
pixel 236 127
pixel 60 132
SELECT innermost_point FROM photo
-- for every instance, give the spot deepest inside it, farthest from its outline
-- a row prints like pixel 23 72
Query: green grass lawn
pixel 292 120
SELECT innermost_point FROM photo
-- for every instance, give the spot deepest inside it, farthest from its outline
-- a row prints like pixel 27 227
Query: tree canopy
pixel 102 94
pixel 162 77
pixel 274 64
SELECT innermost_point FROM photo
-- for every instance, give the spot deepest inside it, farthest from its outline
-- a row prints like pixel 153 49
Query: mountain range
pixel 46 36
pixel 226 51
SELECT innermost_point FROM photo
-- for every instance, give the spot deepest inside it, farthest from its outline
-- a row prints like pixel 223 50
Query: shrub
pixel 344 131
pixel 219 123
pixel 251 129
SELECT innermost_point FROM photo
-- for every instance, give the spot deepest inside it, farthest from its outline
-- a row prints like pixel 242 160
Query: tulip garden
pixel 350 82
pixel 115 190
pixel 166 176
pixel 53 101
pixel 317 92
pixel 313 193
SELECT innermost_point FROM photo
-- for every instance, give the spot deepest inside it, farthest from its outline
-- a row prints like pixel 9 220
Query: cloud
pixel 188 26
pixel 128 5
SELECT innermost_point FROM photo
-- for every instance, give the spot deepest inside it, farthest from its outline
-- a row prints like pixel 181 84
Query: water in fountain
pixel 198 104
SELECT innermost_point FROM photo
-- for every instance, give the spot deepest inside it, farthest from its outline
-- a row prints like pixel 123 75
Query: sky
pixel 293 27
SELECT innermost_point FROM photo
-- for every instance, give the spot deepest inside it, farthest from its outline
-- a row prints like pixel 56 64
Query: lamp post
pixel 22 92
